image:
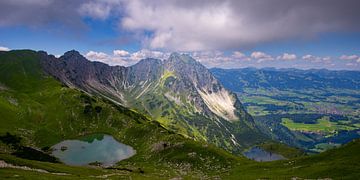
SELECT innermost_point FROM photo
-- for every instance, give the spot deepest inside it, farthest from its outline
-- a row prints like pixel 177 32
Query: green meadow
pixel 323 125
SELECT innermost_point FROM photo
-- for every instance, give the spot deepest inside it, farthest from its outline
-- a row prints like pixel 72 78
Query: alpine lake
pixel 96 149
pixel 260 155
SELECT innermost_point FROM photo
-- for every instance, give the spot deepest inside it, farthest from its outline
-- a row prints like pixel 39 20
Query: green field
pixel 301 101
pixel 323 125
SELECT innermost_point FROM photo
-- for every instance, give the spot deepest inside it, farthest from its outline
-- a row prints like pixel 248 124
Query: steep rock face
pixel 76 71
pixel 197 81
pixel 178 92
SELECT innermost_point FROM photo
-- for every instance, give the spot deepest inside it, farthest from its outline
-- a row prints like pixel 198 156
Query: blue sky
pixel 226 34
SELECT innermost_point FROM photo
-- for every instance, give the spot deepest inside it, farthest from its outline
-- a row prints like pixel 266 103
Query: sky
pixel 218 33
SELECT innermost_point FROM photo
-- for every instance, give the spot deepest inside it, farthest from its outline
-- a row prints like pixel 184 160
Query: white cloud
pixel 287 57
pixel 258 55
pixel 317 59
pixel 327 58
pixel 350 64
pixel 218 59
pixel 108 59
pixel 307 57
pixel 238 54
pixel 145 53
pixel 177 28
pixel 120 53
pixel 96 56
pixel 349 57
pixel 311 58
pixel 261 56
pixel 124 58
pixel 2 48
pixel 235 59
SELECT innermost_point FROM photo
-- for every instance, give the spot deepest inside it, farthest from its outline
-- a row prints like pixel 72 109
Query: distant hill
pixel 239 79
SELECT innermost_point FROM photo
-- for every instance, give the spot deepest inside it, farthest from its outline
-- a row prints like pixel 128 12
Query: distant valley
pixel 311 109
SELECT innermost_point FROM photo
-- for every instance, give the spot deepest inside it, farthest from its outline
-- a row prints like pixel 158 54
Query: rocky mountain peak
pixel 148 62
pixel 177 58
pixel 145 69
pixel 72 54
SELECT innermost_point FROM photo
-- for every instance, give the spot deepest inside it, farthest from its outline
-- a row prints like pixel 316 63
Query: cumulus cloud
pixel 232 60
pixel 120 53
pixel 100 56
pixel 316 59
pixel 327 58
pixel 261 56
pixel 307 57
pixel 238 54
pixel 145 53
pixel 124 58
pixel 312 58
pixel 213 58
pixel 349 57
pixel 287 57
pixel 107 58
pixel 2 48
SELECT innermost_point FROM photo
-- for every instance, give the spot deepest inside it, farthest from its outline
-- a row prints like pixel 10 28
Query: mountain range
pixel 178 92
